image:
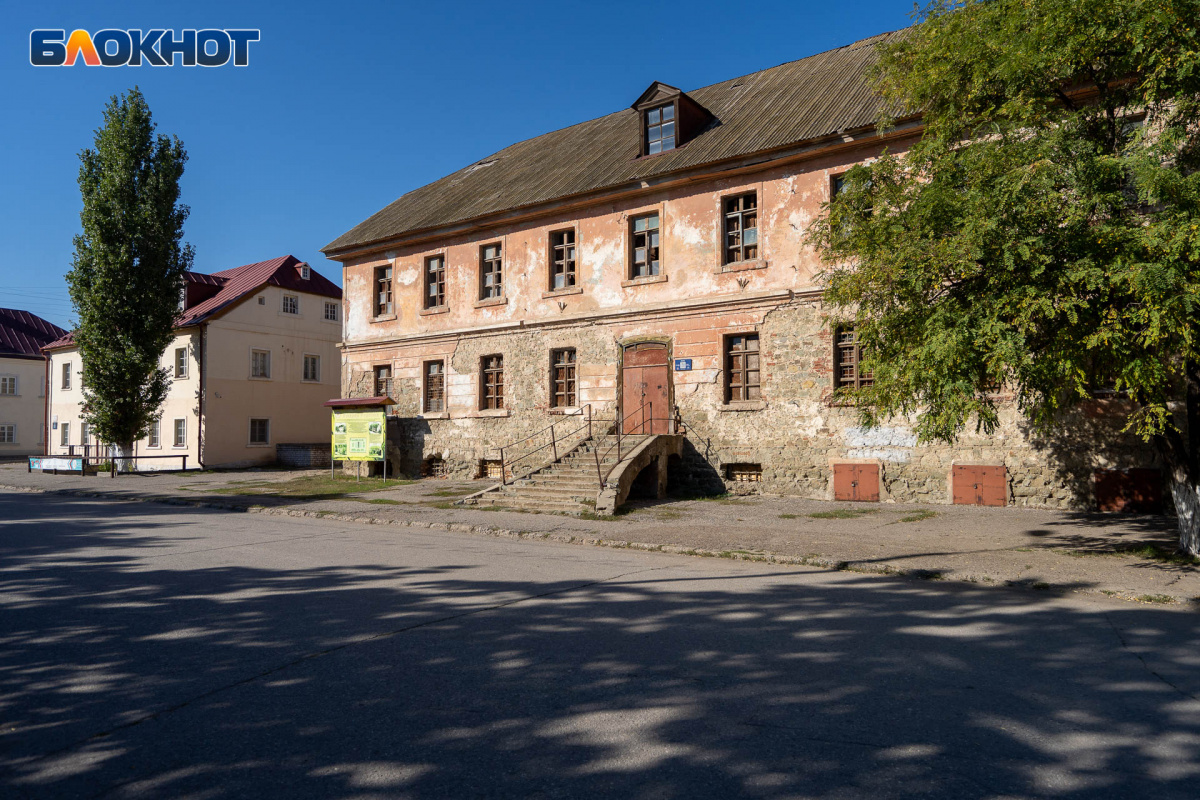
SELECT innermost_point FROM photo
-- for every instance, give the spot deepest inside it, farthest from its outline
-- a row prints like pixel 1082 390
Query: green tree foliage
pixel 128 269
pixel 1044 232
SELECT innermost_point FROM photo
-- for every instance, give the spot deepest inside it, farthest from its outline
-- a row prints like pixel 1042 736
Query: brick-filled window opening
pixel 741 228
pixel 493 382
pixel 742 380
pixel 645 247
pixel 383 381
pixel 563 388
pixel 8 384
pixel 491 272
pixel 435 282
pixel 435 386
pixel 562 259
pixel 847 359
pixel 260 431
pixel 383 291
pixel 660 129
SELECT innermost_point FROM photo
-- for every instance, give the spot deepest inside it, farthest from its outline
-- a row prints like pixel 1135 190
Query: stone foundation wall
pixel 795 434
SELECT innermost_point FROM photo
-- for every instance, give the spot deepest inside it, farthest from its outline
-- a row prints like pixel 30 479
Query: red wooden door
pixel 646 388
pixel 979 485
pixel 857 482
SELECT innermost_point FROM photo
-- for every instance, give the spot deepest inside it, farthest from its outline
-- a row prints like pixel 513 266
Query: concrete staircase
pixel 569 486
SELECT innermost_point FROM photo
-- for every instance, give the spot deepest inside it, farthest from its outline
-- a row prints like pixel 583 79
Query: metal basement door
pixel 858 482
pixel 977 485
pixel 646 379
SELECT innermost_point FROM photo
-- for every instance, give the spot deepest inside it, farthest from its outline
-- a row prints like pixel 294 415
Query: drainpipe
pixel 46 419
pixel 200 422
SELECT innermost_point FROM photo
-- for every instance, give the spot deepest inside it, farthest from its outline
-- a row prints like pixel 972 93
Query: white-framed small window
pixel 8 433
pixel 85 434
pixel 305 271
pixel 331 311
pixel 66 375
pixel 291 304
pixel 260 363
pixel 64 433
pixel 260 431
pixel 154 439
pixel 181 362
pixel 8 384
pixel 312 368
pixel 180 433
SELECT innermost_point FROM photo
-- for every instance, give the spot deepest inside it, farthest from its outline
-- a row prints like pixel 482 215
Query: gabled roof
pixel 24 335
pixel 237 283
pixel 797 102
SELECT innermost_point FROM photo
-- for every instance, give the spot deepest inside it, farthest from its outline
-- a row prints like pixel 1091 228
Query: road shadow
pixel 123 674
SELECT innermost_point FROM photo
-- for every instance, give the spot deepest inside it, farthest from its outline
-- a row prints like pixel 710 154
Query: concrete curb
pixel 763 557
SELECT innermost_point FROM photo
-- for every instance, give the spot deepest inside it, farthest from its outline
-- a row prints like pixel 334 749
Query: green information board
pixel 359 434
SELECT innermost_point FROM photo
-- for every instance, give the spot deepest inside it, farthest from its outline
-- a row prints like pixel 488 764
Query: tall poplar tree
pixel 1044 233
pixel 128 270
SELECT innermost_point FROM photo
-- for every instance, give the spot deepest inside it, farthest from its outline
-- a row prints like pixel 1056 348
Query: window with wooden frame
pixel 563 389
pixel 491 271
pixel 66 375
pixel 260 363
pixel 181 362
pixel 260 431
pixel 742 381
pixel 435 282
pixel 383 380
pixel 435 387
pixel 8 384
pixel 383 291
pixel 331 311
pixel 180 433
pixel 312 368
pixel 847 360
pixel 562 259
pixel 644 261
pixel 836 185
pixel 154 438
pixel 85 434
pixel 492 383
pixel 8 434
pixel 291 304
pixel 660 129
pixel 741 228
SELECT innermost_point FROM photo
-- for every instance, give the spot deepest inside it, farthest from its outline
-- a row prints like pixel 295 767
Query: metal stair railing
pixel 556 436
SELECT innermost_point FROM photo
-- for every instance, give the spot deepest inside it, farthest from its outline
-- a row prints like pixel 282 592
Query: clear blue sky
pixel 348 105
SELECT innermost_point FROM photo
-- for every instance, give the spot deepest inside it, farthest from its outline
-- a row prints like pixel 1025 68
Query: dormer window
pixel 304 271
pixel 668 119
pixel 660 129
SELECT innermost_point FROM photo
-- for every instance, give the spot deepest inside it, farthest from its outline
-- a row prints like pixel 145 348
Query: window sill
pixel 310 380
pixel 741 266
pixel 435 415
pixel 258 444
pixel 490 412
pixel 179 447
pixel 258 378
pixel 561 292
pixel 492 301
pixel 744 405
pixel 567 411
pixel 151 447
pixel 429 312
pixel 647 279
pixel 384 318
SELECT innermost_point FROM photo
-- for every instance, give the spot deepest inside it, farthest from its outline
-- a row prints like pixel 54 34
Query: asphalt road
pixel 148 651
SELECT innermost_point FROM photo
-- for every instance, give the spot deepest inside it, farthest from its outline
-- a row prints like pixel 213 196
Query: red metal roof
pixel 359 402
pixel 235 284
pixel 24 334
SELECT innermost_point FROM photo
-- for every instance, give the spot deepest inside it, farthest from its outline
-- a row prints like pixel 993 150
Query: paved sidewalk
pixel 1118 556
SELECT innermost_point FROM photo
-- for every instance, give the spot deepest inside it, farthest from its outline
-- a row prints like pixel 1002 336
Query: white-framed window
pixel 8 434
pixel 291 304
pixel 260 363
pixel 305 271
pixel 64 433
pixel 85 434
pixel 331 311
pixel 66 375
pixel 312 368
pixel 181 362
pixel 155 437
pixel 260 431
pixel 8 384
pixel 180 433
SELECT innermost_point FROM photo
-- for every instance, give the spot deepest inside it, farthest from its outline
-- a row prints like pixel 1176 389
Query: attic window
pixel 660 129
pixel 304 271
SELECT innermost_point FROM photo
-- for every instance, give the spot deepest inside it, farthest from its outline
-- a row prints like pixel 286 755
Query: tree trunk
pixel 1182 471
pixel 125 461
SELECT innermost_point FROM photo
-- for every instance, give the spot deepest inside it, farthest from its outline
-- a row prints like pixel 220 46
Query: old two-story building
pixel 23 381
pixel 654 258
pixel 253 359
